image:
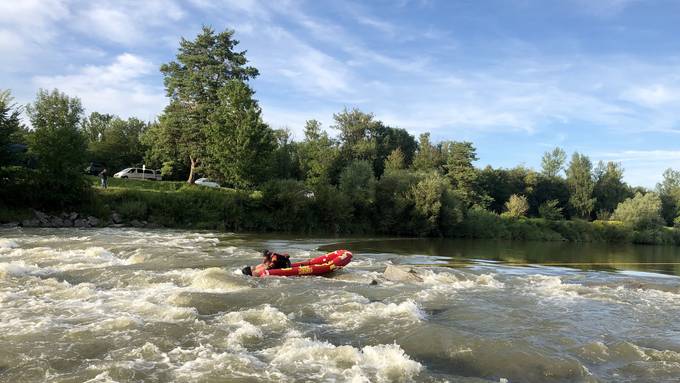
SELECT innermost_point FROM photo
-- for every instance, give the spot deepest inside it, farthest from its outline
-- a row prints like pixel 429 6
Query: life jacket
pixel 279 261
pixel 276 261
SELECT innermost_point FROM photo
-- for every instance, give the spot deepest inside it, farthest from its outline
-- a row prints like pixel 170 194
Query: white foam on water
pixel 315 360
pixel 439 284
pixel 213 279
pixel 250 325
pixel 7 244
pixel 21 268
pixel 346 311
pixel 452 280
pixel 104 377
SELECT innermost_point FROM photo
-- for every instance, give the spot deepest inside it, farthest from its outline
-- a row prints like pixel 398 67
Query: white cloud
pixel 127 22
pixel 117 88
pixel 26 26
pixel 653 95
pixel 643 167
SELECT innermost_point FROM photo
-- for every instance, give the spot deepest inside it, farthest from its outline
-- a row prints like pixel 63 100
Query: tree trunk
pixel 192 169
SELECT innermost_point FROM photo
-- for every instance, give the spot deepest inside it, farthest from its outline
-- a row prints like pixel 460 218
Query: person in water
pixel 270 260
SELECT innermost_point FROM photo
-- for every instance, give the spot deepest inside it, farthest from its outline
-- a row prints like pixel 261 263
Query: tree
pixel 395 161
pixel 357 135
pixel 459 169
pixel 550 210
pixel 580 181
pixel 239 143
pixel 427 157
pixel 193 82
pixel 553 162
pixel 59 146
pixel 388 140
pixel 609 189
pixel 285 163
pixel 394 203
pixel 357 183
pixel 643 211
pixel 318 155
pixel 10 125
pixel 669 192
pixel 114 141
pixel 517 206
pixel 437 209
pixel 541 189
pixel 500 184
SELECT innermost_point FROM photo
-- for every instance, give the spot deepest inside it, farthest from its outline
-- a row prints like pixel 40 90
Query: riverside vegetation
pixel 369 178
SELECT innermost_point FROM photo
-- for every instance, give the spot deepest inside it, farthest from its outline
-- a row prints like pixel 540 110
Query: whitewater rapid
pixel 120 305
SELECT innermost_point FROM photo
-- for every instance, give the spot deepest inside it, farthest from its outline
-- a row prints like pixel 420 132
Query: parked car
pixel 207 182
pixel 94 168
pixel 139 174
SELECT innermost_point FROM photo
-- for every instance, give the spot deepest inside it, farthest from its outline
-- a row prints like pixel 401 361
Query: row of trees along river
pixel 366 178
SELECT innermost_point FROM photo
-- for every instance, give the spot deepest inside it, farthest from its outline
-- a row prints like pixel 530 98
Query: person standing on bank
pixel 103 177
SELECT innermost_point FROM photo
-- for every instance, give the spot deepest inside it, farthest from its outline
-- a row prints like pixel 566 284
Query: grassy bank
pixel 287 209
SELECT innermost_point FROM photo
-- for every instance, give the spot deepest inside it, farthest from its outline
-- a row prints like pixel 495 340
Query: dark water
pixel 110 305
pixel 583 256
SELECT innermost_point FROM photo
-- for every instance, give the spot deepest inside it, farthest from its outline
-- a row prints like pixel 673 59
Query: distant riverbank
pixel 178 205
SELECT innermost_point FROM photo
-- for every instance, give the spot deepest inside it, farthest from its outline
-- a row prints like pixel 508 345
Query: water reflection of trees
pixel 584 256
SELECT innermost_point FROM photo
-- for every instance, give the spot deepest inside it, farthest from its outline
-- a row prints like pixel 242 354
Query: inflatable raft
pixel 316 266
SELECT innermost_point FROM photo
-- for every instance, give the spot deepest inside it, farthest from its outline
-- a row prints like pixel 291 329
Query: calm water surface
pixel 109 305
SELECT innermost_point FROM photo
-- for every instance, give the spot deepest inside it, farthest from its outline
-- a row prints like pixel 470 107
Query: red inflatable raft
pixel 316 266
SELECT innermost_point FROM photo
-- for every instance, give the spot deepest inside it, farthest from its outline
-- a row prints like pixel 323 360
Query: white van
pixel 139 174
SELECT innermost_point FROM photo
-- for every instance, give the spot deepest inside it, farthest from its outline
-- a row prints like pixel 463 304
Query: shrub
pixel 517 206
pixel 550 210
pixel 640 212
pixel 133 209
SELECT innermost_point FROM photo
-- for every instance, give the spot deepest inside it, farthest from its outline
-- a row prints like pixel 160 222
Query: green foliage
pixel 58 146
pixel 285 161
pixel 318 155
pixel 113 141
pixel 550 210
pixel 669 191
pixel 333 210
pixel 10 125
pixel 394 202
pixel 395 161
pixel 195 83
pixel 436 206
pixel 290 204
pixel 553 162
pixel 427 157
pixel 132 209
pixel 239 143
pixel 357 183
pixel 389 140
pixel 581 185
pixel 481 223
pixel 609 189
pixel 517 206
pixel 138 184
pixel 643 211
pixel 500 184
pixel 460 170
pixel 356 130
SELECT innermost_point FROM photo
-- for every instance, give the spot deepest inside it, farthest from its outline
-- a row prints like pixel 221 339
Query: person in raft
pixel 270 260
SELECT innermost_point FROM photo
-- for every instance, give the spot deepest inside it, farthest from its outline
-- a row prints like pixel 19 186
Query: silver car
pixel 139 174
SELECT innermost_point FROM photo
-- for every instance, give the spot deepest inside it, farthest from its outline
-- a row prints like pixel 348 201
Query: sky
pixel 515 77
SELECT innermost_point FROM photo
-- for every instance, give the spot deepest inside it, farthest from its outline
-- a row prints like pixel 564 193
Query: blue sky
pixel 516 77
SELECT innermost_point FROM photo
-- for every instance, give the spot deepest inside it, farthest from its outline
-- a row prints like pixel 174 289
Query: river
pixel 122 305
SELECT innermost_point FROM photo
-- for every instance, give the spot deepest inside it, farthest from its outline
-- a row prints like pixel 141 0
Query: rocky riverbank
pixel 73 219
